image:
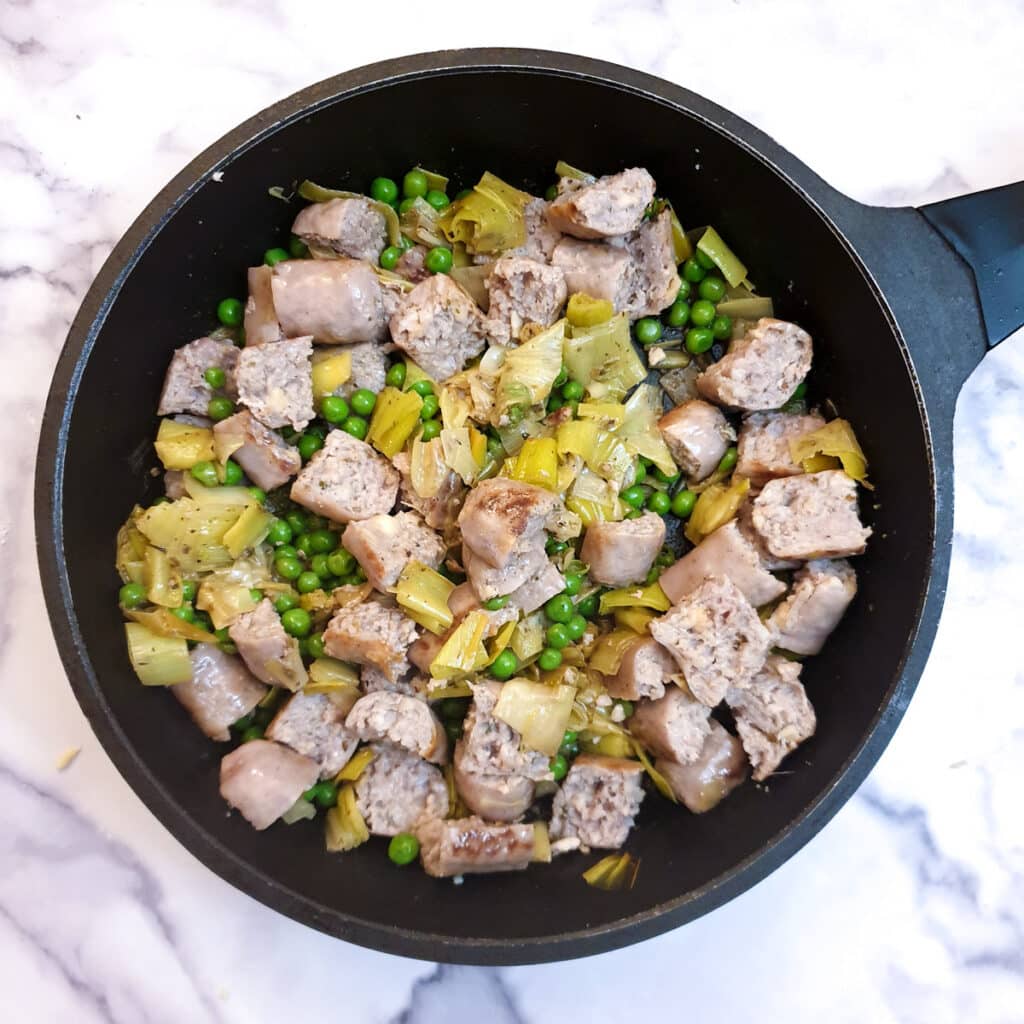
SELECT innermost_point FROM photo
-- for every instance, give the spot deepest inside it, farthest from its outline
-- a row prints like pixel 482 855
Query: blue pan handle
pixel 986 229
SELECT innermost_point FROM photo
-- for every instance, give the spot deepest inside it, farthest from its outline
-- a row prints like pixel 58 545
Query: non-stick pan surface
pixel 824 259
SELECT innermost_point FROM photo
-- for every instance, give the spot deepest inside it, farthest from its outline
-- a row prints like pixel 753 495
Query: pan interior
pixel 515 124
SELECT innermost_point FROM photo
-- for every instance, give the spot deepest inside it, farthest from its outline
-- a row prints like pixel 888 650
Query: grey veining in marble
pixel 909 907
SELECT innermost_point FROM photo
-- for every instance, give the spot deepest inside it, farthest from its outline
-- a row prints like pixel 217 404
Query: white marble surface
pixel 908 907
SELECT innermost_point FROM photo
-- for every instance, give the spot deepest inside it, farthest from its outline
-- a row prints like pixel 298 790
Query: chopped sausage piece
pixel 404 721
pixel 720 767
pixel 600 271
pixel 764 444
pixel 335 301
pixel 174 484
pixel 493 797
pixel 491 746
pixel 716 637
pixel 441 511
pixel 622 553
pixel 423 652
pixel 463 600
pixel 271 654
pixel 726 552
pixel 313 724
pixel 350 227
pixel 538 589
pixel 522 292
pixel 260 323
pixel 266 459
pixel 499 514
pixel 541 237
pixel 526 560
pixel 471 846
pixel 675 726
pixel 612 205
pixel 655 278
pixel 275 382
pixel 440 326
pixel 185 389
pixel 373 680
pixel 646 670
pixel 697 435
pixel 822 591
pixel 371 634
pixel 384 544
pixel 745 522
pixel 398 789
pixel 810 516
pixel 761 369
pixel 220 692
pixel 773 715
pixel 262 780
pixel 412 264
pixel 346 480
pixel 598 801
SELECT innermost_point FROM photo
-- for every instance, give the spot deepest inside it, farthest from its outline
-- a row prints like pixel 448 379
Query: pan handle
pixel 986 229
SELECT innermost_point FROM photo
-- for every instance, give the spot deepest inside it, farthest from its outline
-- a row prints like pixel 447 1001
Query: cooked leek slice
pixel 428 470
pixel 421 223
pixel 607 415
pixel 594 499
pixel 500 641
pixel 715 507
pixel 434 180
pixel 541 843
pixel 608 652
pixel 182 445
pixel 457 447
pixel 586 311
pixel 489 219
pixel 328 675
pixel 636 619
pixel 395 416
pixel 603 358
pixel 456 806
pixel 161 579
pixel 163 623
pixel 463 652
pixel 610 744
pixel 722 256
pixel 345 828
pixel 157 660
pixel 249 529
pixel 331 369
pixel 565 170
pixel 473 280
pixel 639 429
pixel 529 371
pixel 527 640
pixel 356 765
pixel 601 450
pixel 131 547
pixel 424 594
pixel 191 530
pixel 539 712
pixel 318 194
pixel 681 246
pixel 616 871
pixel 651 596
pixel 839 443
pixel 748 307
pixel 536 463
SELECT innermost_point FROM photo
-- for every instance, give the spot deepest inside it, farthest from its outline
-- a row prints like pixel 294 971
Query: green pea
pixel 800 392
pixel 430 430
pixel 215 377
pixel 288 567
pixel 728 461
pixel 384 190
pixel 334 409
pixel 255 594
pixel 415 184
pixel 309 445
pixel 682 503
pixel 627 707
pixel 702 313
pixel 220 408
pixel 296 520
pixel 232 473
pixel 437 199
pixel 340 562
pixel 704 260
pixel 553 546
pixel 573 583
pixel 296 622
pixel 321 542
pixel 693 271
pixel 356 426
pixel 678 313
pixel 549 659
pixel 558 636
pixel 406 203
pixel 307 582
pixel 559 767
pixel 131 595
pixel 634 496
pixel 559 608
pixel 254 732
pixel 431 405
pixel 185 612
pixel 685 289
pixel 362 401
pixel 576 626
pixel 230 312
pixel 698 340
pixel 494 603
pixel 258 493
pixel 665 478
pixel 495 448
pixel 395 376
pixel 551 193
pixel 515 414
pixel 569 746
pixel 304 545
pixel 297 248
pixel 633 513
pixel 563 376
pixel 405 847
pixel 324 794
pixel 504 665
pixel 648 330
pixel 712 288
pixel 438 260
pixel 665 557
pixel 659 502
pixel 206 473
pixel 572 391
pixel 422 387
pixel 588 606
pixel 276 255
pixel 390 256
pixel 188 590
pixel 318 564
pixel 721 328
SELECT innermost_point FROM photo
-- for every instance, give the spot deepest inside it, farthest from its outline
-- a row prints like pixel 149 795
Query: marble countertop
pixel 909 906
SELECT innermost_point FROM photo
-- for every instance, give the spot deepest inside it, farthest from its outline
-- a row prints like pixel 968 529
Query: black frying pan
pixel 902 304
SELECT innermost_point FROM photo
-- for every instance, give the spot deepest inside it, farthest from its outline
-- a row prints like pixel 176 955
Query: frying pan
pixel 902 305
